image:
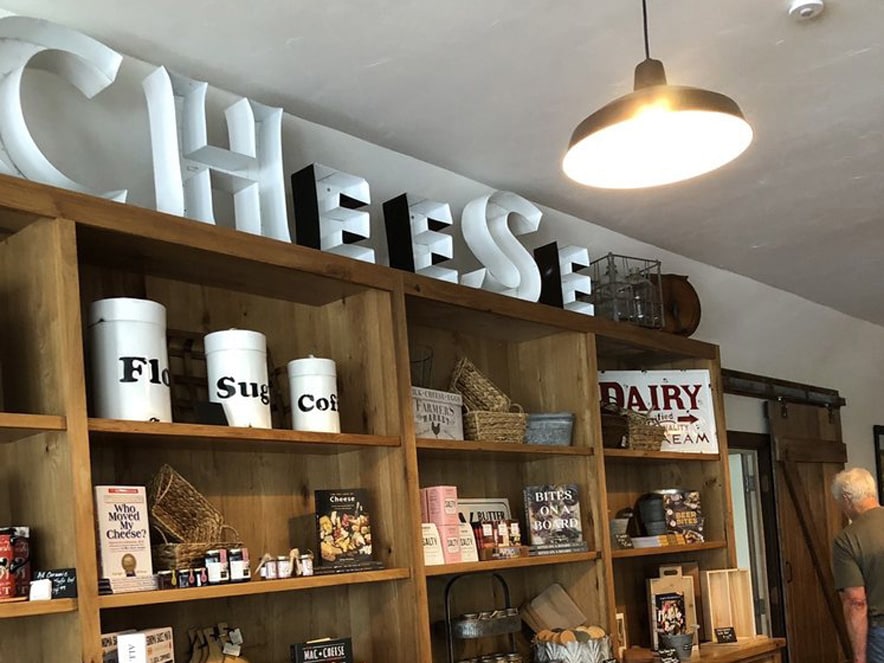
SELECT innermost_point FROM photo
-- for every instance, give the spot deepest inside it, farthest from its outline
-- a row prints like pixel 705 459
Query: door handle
pixel 787 567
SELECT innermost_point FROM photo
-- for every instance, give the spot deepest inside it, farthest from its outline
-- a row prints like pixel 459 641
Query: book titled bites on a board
pixel 326 650
pixel 343 527
pixel 553 514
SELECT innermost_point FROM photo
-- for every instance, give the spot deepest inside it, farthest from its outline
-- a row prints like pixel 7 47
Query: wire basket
pixel 478 392
pixel 627 289
pixel 179 511
pixel 496 426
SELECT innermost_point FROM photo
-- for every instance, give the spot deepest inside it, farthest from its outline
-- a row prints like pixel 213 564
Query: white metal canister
pixel 314 394
pixel 236 365
pixel 130 364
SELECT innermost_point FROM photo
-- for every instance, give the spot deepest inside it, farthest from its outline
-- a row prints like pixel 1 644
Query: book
pixel 343 526
pixel 157 643
pixel 123 540
pixel 327 650
pixel 553 514
pixel 684 514
pixel 669 613
pixel 132 648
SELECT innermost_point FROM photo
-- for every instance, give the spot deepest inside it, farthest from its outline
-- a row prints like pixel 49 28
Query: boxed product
pixel 442 505
pixel 437 414
pixel 15 562
pixel 450 536
pixel 157 646
pixel 123 540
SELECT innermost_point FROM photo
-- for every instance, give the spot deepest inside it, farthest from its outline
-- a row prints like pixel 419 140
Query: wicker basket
pixel 644 433
pixel 179 511
pixel 173 556
pixel 479 393
pixel 495 426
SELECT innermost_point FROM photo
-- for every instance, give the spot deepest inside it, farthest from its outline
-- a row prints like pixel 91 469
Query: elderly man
pixel 858 562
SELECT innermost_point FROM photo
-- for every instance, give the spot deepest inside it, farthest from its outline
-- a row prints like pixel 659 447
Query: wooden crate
pixel 728 601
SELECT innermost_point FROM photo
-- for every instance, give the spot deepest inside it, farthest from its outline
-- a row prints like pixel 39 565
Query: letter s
pixel 225 387
pixel 508 266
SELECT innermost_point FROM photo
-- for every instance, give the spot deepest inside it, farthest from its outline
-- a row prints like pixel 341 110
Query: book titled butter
pixel 437 414
pixel 123 532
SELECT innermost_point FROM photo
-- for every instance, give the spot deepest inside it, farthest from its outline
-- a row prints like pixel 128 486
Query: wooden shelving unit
pixel 365 317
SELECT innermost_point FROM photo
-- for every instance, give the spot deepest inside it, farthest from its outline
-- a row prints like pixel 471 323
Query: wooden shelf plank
pixel 496 450
pixel 668 550
pixel 249 588
pixel 14 609
pixel 229 437
pixel 515 563
pixel 643 454
pixel 14 426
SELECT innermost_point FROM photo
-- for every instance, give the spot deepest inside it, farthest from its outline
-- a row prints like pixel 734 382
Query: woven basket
pixel 179 511
pixel 644 433
pixel 173 556
pixel 495 426
pixel 479 393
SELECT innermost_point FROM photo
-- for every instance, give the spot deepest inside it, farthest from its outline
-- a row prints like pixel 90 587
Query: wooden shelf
pixel 496 450
pixel 248 588
pixel 15 426
pixel 14 609
pixel 515 563
pixel 668 550
pixel 232 438
pixel 641 454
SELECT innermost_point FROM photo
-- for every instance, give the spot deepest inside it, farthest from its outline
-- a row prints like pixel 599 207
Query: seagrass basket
pixel 495 426
pixel 478 392
pixel 173 556
pixel 179 511
pixel 622 427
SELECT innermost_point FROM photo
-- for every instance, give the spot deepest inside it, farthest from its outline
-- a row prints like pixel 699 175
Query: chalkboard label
pixel 668 655
pixel 64 582
pixel 726 634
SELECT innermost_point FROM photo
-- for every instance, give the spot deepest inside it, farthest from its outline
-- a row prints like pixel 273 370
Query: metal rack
pixel 505 621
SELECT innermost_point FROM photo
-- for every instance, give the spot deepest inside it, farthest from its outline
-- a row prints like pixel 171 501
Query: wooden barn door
pixel 808 452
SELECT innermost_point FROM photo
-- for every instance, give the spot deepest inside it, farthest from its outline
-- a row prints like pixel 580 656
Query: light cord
pixel 645 22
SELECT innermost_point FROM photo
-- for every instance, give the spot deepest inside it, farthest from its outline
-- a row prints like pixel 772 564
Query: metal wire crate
pixel 627 289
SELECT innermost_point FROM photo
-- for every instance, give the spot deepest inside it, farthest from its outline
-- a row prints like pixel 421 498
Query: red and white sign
pixel 680 400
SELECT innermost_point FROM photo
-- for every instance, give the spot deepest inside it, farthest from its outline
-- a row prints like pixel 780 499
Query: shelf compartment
pixel 231 438
pixel 14 426
pixel 495 450
pixel 641 454
pixel 515 563
pixel 668 550
pixel 14 609
pixel 249 588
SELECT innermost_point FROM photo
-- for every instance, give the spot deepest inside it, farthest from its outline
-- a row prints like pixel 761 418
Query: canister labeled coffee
pixel 314 394
pixel 236 365
pixel 130 365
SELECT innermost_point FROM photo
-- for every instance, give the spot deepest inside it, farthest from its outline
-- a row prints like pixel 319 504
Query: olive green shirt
pixel 858 558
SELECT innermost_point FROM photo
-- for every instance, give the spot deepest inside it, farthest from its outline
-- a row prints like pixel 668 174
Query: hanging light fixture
pixel 657 134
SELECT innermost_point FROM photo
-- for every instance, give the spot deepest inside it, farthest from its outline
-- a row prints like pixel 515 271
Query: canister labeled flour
pixel 236 364
pixel 130 365
pixel 314 394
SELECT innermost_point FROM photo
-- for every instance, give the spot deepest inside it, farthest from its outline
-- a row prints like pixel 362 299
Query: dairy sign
pixel 680 400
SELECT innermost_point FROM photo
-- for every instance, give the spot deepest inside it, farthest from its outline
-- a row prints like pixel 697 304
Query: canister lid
pixel 127 309
pixel 235 339
pixel 312 366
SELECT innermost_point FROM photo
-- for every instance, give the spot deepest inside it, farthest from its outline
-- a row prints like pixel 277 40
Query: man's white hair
pixel 854 485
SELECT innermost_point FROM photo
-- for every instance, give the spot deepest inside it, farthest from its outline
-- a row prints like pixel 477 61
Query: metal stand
pixel 473 628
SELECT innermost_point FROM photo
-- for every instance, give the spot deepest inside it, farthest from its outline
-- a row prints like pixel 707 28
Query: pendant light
pixel 657 134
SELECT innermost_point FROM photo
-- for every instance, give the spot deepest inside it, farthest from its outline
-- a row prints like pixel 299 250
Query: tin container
pixel 240 570
pixel 236 367
pixel 270 571
pixel 15 558
pixel 306 564
pixel 313 387
pixel 283 567
pixel 130 364
pixel 217 567
pixel 167 580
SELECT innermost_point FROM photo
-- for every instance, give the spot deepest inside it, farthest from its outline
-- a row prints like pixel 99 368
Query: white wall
pixel 760 329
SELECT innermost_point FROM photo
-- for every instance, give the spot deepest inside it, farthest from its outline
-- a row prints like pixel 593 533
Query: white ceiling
pixel 493 88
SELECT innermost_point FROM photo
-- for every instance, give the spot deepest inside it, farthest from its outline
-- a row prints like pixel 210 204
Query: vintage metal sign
pixel 680 400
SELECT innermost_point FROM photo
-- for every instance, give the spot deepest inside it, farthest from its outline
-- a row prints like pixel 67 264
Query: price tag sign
pixel 64 582
pixel 668 655
pixel 725 634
